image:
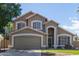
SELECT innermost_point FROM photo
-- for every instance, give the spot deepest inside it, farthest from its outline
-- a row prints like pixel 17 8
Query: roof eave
pixel 29 28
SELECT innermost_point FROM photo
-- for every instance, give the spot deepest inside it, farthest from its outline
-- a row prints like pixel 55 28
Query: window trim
pixel 36 21
pixel 63 39
pixel 64 35
pixel 20 22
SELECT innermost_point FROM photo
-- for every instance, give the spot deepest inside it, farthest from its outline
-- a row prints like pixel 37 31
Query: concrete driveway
pixel 13 52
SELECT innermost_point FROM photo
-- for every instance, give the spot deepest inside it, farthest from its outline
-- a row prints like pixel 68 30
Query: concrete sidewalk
pixel 20 53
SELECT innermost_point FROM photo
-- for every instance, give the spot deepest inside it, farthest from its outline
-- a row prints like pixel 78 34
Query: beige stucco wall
pixel 36 17
pixel 22 18
pixel 51 23
pixel 45 40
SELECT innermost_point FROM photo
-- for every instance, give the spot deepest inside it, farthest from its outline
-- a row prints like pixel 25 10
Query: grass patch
pixel 73 52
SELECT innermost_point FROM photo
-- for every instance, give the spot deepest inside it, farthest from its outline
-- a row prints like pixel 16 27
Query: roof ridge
pixel 52 21
pixel 23 15
pixel 34 15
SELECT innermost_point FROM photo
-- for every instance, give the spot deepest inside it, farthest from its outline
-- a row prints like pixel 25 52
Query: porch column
pixel 55 37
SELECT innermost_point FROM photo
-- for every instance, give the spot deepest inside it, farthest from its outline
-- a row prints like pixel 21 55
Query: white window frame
pixel 36 21
pixel 64 35
pixel 20 22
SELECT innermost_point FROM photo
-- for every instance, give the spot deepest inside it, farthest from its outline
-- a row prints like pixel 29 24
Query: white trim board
pixel 28 35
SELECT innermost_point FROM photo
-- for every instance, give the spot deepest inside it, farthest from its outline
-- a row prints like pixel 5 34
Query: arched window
pixel 37 24
pixel 20 24
pixel 64 40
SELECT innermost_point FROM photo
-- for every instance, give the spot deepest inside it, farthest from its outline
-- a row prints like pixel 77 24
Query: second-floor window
pixel 20 25
pixel 37 24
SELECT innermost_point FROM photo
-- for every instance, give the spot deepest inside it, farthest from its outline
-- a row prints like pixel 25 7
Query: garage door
pixel 27 42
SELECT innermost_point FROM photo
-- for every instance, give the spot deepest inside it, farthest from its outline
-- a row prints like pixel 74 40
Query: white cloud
pixel 74 26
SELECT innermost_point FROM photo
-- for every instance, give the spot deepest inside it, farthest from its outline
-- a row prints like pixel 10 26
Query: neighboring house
pixel 34 31
pixel 76 42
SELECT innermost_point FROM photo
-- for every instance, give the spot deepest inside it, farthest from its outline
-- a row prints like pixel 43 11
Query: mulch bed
pixel 54 54
pixel 47 54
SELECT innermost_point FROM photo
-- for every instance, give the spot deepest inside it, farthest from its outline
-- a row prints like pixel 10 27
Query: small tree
pixel 76 38
pixel 8 11
pixel 8 29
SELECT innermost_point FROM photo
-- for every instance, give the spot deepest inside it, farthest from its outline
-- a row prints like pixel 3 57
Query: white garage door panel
pixel 27 42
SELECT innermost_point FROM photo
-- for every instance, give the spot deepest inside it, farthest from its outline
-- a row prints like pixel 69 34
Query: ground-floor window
pixel 62 40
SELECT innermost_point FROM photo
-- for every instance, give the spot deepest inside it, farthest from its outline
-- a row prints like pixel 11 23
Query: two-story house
pixel 34 31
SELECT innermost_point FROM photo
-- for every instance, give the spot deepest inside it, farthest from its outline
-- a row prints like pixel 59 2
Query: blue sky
pixel 64 14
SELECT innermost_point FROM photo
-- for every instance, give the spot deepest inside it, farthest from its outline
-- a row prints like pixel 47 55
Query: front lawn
pixel 73 52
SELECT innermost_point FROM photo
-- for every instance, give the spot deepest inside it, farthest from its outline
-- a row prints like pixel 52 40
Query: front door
pixel 49 42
